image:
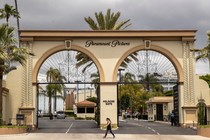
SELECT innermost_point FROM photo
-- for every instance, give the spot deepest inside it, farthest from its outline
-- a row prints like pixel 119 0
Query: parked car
pixel 135 114
pixel 61 115
pixel 127 115
pixel 54 114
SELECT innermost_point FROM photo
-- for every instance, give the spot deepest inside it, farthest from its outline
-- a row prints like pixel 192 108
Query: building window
pixel 90 110
pixel 80 110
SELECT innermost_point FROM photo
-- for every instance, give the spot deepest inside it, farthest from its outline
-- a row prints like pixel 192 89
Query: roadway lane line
pixel 147 128
pixel 69 128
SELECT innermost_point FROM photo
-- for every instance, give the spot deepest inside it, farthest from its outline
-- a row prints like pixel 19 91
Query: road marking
pixel 69 128
pixel 146 127
pixel 154 130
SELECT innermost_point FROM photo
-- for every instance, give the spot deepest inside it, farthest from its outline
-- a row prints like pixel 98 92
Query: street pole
pixel 120 80
pixel 37 102
pixel 147 74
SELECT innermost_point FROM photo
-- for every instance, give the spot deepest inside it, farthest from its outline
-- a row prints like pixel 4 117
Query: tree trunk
pixel 1 97
pixel 50 108
pixel 1 91
pixel 18 22
pixel 55 102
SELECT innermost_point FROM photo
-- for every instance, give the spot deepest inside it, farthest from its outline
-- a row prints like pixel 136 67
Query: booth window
pixel 80 110
pixel 90 110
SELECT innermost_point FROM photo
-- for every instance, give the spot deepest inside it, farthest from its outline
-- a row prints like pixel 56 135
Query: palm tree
pixel 107 22
pixel 7 12
pixel 104 22
pixel 204 54
pixel 53 76
pixel 151 78
pixel 9 54
pixel 128 77
pixel 95 80
pixel 18 23
pixel 83 59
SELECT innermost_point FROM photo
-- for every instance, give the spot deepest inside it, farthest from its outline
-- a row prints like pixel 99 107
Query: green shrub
pixel 79 118
pixel 89 118
pixel 69 113
pixel 204 126
pixel 13 126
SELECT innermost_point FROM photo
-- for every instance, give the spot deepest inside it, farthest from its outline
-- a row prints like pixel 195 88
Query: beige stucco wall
pixel 106 56
pixel 14 83
pixel 201 89
pixel 85 115
pixel 108 59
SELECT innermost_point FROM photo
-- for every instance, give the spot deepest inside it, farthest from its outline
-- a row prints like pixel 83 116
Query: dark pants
pixel 110 130
pixel 172 122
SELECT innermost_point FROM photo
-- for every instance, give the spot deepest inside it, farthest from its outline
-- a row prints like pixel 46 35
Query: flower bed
pixel 12 129
pixel 204 130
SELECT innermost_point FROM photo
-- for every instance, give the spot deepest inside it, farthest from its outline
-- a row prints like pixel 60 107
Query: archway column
pixel 27 104
pixel 108 103
pixel 188 109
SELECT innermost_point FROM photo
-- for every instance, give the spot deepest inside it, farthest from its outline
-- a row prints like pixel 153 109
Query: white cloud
pixel 202 68
pixel 144 14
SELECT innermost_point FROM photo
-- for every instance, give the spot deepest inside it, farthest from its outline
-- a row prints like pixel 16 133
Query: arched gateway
pixel 107 49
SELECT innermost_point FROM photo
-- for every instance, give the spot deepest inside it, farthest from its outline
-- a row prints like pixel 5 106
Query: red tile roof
pixel 85 103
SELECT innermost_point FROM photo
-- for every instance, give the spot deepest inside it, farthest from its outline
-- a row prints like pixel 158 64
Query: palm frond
pixel 91 23
pixel 107 22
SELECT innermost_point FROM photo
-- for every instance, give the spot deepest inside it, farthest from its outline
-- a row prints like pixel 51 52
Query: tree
pixel 125 101
pixel 18 23
pixel 53 76
pixel 83 59
pixel 206 78
pixel 107 22
pixel 9 54
pixel 95 80
pixel 150 83
pixel 7 12
pixel 128 77
pixel 92 99
pixel 104 22
pixel 204 54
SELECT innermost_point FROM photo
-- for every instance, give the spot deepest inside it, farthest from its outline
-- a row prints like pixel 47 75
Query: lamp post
pixel 77 90
pixel 120 80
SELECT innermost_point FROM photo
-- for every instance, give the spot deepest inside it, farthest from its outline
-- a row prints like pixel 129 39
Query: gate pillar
pixel 27 100
pixel 108 104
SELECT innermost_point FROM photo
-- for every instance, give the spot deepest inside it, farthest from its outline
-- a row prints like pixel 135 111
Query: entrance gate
pixel 69 99
pixel 145 74
pixel 107 49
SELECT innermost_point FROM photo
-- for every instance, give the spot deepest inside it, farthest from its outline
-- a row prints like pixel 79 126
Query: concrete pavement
pixel 82 136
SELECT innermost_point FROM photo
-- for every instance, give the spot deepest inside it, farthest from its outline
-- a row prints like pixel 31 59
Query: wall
pixel 173 44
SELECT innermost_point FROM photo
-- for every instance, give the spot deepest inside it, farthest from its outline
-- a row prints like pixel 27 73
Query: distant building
pixel 159 108
pixel 69 101
pixel 86 109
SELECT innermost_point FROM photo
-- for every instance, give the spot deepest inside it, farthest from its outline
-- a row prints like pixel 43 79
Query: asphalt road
pixel 69 125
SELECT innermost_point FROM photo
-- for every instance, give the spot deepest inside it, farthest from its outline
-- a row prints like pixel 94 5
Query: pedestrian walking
pixel 172 119
pixel 108 127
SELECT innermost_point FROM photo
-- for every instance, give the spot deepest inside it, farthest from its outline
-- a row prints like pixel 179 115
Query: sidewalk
pixel 81 136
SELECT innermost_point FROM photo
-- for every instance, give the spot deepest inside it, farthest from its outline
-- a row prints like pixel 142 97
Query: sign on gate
pixel 176 104
pixel 20 116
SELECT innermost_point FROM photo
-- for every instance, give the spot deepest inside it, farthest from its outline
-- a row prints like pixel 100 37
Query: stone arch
pixel 60 48
pixel 159 49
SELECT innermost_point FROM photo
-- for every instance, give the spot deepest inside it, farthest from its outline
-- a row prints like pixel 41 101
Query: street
pixel 69 125
pixel 65 129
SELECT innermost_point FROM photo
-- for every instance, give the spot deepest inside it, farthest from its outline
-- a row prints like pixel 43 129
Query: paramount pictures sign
pixel 113 43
